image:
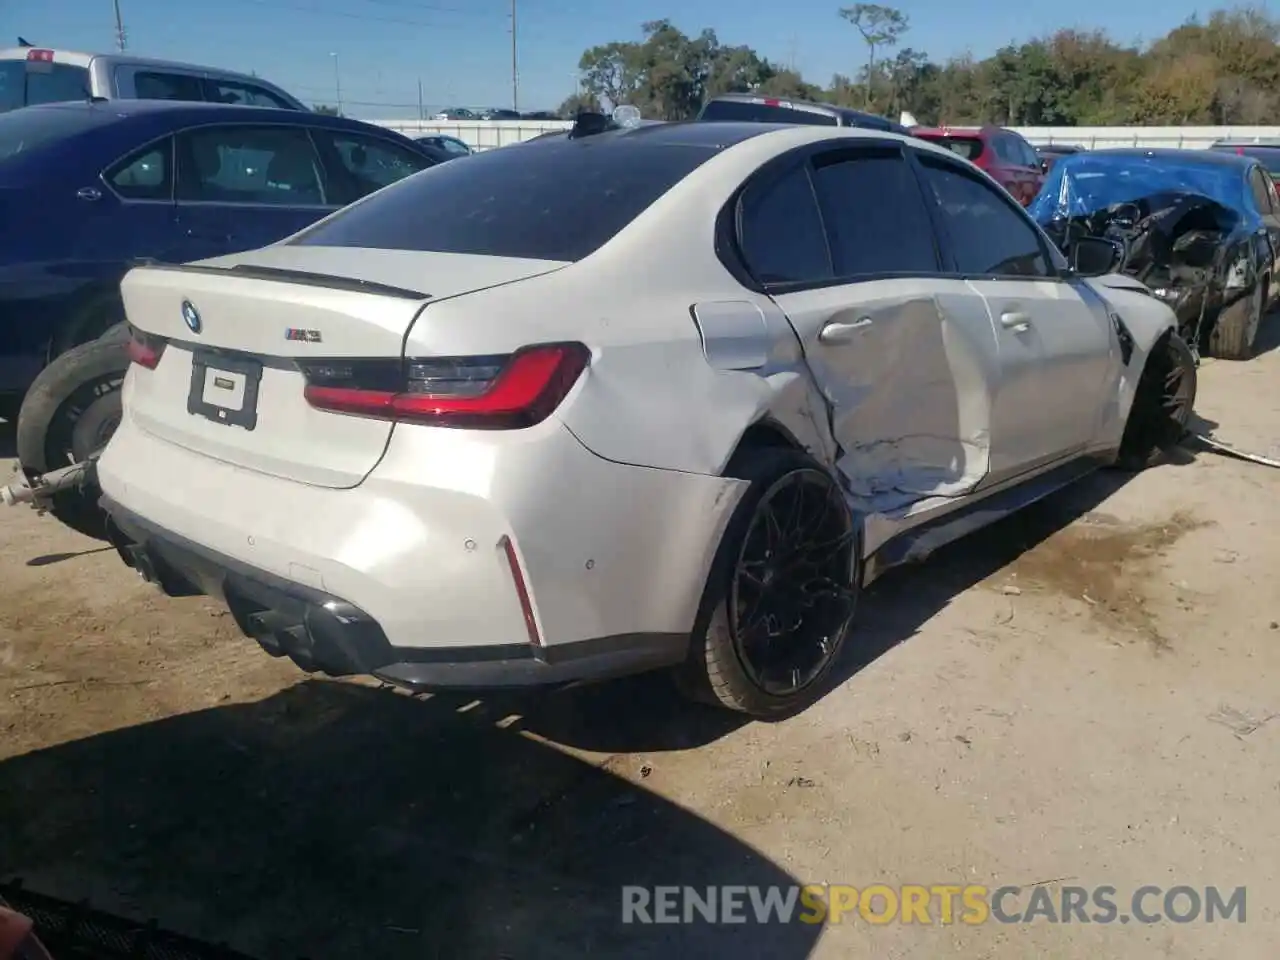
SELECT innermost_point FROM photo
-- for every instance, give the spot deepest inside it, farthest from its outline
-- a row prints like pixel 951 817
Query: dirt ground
pixel 1080 695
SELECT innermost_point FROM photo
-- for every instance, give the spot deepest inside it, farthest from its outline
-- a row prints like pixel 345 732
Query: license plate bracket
pixel 213 372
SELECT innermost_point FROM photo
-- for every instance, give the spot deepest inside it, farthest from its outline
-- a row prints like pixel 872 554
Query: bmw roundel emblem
pixel 191 316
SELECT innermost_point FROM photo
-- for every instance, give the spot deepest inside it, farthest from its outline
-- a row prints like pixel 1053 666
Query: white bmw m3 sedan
pixel 663 397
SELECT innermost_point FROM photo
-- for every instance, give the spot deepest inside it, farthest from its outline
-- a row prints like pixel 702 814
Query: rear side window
pixel 25 85
pixel 745 111
pixel 561 201
pixel 780 231
pixel 875 215
pixel 156 85
pixel 968 147
pixel 147 175
pixel 248 94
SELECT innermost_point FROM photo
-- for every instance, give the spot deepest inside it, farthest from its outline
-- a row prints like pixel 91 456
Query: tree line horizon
pixel 1221 70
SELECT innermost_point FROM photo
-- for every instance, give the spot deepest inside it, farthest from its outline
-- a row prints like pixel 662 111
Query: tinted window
pixel 763 113
pixel 153 85
pixel 875 215
pixel 1005 149
pixel 252 164
pixel 369 163
pixel 1029 158
pixel 248 94
pixel 25 130
pixel 23 86
pixel 968 147
pixel 1258 187
pixel 560 201
pixel 456 147
pixel 780 231
pixel 988 236
pixel 146 175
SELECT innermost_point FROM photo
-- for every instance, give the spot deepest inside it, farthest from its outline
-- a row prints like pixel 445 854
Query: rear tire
pixel 1162 404
pixel 1233 337
pixel 69 413
pixel 810 581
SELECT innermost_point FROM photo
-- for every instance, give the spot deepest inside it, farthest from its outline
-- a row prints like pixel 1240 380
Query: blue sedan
pixel 88 187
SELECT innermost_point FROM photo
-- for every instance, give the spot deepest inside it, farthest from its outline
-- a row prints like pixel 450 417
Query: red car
pixel 1006 156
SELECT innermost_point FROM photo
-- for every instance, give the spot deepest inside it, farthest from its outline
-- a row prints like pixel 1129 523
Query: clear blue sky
pixel 461 49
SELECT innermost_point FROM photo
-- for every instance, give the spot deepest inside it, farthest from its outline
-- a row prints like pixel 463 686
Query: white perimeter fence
pixel 487 134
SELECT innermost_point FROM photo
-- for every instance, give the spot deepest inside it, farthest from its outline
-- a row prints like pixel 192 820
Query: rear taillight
pixel 145 350
pixel 36 55
pixel 488 393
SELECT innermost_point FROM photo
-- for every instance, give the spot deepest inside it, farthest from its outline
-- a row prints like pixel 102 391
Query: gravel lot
pixel 1080 695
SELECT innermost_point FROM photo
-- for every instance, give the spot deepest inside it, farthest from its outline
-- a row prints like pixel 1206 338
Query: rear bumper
pixel 327 634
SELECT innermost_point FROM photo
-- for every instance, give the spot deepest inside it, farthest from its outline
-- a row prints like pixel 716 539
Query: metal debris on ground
pixel 1218 446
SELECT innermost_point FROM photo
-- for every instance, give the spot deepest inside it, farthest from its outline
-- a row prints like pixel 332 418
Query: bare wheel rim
pixel 1255 313
pixel 1177 397
pixel 792 598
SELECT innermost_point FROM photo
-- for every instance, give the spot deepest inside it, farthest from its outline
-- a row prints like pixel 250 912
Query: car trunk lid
pixel 227 383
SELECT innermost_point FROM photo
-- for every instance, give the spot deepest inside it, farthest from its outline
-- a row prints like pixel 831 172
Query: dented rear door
pixel 907 367
pixel 904 356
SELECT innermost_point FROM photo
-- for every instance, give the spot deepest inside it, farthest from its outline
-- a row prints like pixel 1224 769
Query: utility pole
pixel 120 39
pixel 337 81
pixel 515 65
pixel 421 114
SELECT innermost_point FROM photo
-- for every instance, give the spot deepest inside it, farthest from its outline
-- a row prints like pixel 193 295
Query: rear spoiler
pixel 281 275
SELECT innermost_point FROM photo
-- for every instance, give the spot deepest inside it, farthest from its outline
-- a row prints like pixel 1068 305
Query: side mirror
pixel 1093 256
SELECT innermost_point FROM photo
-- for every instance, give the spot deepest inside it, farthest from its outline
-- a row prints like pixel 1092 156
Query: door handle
pixel 836 332
pixel 1015 320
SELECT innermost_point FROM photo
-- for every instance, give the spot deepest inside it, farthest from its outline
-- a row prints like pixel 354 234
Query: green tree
pixel 880 26
pixel 325 109
pixel 1223 69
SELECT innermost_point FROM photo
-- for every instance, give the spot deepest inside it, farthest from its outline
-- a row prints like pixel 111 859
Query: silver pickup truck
pixel 31 75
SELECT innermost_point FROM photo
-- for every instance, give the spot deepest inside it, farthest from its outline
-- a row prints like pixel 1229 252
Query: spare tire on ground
pixel 68 415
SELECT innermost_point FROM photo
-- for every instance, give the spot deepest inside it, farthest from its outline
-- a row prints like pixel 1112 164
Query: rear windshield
pixel 43 83
pixel 742 110
pixel 968 147
pixel 561 200
pixel 25 130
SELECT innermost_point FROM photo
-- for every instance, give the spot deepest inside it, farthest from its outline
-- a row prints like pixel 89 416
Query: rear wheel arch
pixel 91 313
pixel 764 434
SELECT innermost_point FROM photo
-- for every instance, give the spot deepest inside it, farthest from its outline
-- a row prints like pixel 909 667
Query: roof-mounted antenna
pixel 24 42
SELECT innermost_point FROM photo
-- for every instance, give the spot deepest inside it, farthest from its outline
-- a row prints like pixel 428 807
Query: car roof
pixel 847 112
pixel 195 110
pixel 1205 157
pixel 1244 145
pixel 686 133
pixel 954 131
pixel 83 59
pixel 133 119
